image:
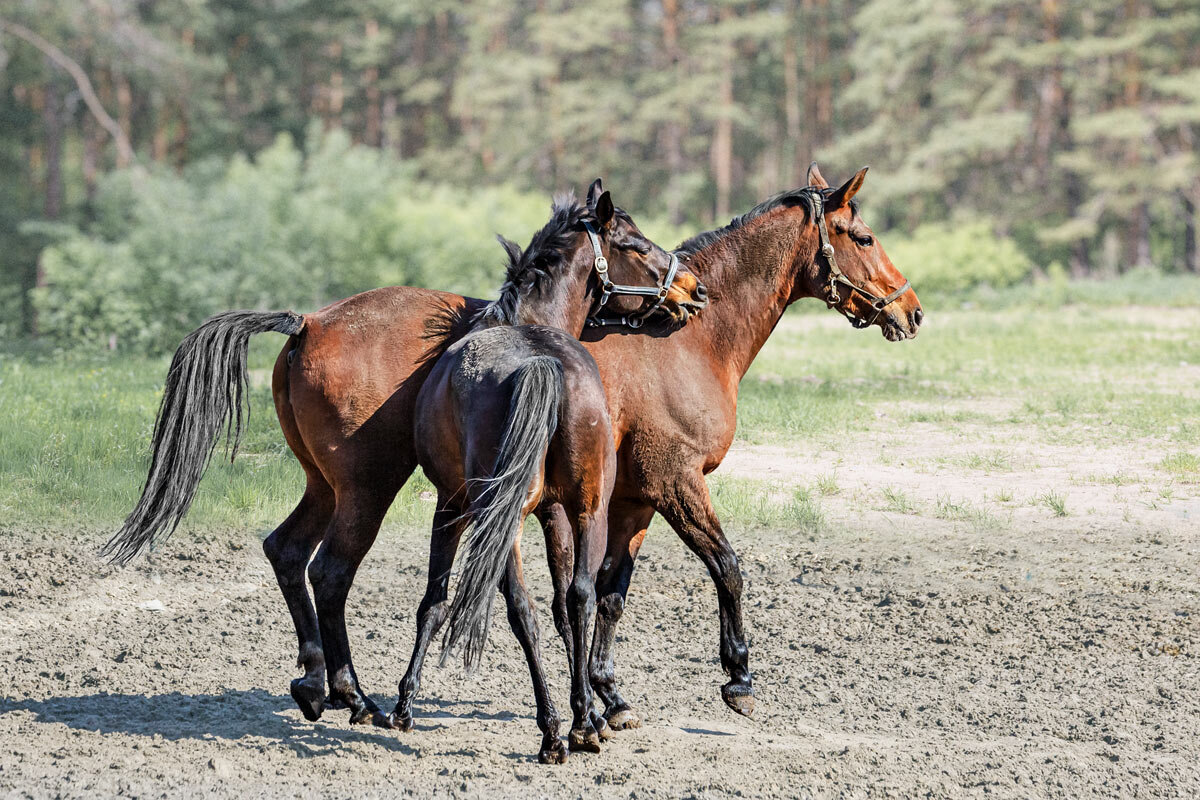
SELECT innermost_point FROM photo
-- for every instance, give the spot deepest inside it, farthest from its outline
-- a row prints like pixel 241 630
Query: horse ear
pixel 815 178
pixel 847 190
pixel 604 210
pixel 512 249
pixel 594 192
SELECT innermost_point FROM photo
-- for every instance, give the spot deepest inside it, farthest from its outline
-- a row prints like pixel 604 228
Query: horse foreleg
pixel 288 548
pixel 523 622
pixel 352 530
pixel 688 509
pixel 626 530
pixel 448 525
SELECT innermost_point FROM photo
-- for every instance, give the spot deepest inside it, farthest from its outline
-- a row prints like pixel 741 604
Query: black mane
pixel 791 197
pixel 542 261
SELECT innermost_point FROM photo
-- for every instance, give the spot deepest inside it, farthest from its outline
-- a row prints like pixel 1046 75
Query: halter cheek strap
pixel 608 289
pixel 816 206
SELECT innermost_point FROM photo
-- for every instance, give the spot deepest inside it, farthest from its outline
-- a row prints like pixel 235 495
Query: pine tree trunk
pixel 52 122
pixel 124 114
pixel 92 144
pixel 673 130
pixel 722 144
pixel 797 169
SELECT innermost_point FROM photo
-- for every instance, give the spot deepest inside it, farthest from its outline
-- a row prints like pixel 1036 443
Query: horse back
pixel 345 387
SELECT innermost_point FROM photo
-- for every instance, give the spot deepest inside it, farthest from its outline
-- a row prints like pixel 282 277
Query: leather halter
pixel 608 289
pixel 816 207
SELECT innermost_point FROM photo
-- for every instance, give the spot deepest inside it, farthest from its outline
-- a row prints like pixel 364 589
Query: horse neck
pixel 751 274
pixel 561 305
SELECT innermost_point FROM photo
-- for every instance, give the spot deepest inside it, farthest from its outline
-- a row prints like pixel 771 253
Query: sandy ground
pixel 998 651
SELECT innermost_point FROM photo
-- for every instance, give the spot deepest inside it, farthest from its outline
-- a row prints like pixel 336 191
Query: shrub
pixel 949 257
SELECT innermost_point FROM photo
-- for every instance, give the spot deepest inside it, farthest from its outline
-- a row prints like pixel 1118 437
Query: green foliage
pixel 951 257
pixel 288 229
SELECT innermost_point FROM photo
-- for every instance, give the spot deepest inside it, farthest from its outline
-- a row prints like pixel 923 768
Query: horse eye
pixel 863 241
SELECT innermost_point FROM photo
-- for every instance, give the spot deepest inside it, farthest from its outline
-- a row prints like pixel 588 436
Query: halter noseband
pixel 608 289
pixel 816 207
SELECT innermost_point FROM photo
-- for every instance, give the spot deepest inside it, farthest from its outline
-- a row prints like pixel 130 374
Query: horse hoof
pixel 739 697
pixel 584 740
pixel 372 716
pixel 623 720
pixel 400 722
pixel 601 726
pixel 311 700
pixel 553 752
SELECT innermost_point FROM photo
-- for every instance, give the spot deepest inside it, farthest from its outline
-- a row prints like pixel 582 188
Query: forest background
pixel 162 160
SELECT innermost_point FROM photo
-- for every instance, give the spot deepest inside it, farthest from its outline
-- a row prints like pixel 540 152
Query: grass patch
pixel 764 504
pixel 964 511
pixel 826 485
pixel 1054 501
pixel 995 461
pixel 896 500
pixel 1185 466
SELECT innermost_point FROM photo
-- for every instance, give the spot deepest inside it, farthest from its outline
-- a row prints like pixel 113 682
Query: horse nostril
pixel 700 293
pixel 918 315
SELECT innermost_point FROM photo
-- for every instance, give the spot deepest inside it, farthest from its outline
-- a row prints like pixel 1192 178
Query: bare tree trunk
pixel 389 131
pixel 124 115
pixel 1191 256
pixel 91 158
pixel 125 153
pixel 722 144
pixel 52 122
pixel 158 145
pixel 797 168
pixel 673 130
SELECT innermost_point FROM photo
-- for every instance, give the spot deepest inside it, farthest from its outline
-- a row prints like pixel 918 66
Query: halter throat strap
pixel 816 207
pixel 608 289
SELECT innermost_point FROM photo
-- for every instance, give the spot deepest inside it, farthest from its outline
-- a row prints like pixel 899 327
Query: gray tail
pixel 496 513
pixel 205 392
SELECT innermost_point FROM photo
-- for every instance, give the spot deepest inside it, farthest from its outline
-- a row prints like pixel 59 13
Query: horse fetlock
pixel 311 659
pixel 610 607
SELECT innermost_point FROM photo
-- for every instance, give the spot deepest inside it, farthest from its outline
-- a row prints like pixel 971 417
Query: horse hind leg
pixel 351 532
pixel 522 620
pixel 448 526
pixel 288 548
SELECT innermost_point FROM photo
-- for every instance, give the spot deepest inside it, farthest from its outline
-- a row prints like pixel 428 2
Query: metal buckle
pixel 601 264
pixel 827 250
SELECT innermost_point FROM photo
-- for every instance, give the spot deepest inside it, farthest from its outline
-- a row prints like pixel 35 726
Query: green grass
pixel 1054 501
pixel 764 504
pixel 896 500
pixel 1185 466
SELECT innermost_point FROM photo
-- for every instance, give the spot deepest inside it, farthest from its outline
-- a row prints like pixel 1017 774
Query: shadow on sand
pixel 232 715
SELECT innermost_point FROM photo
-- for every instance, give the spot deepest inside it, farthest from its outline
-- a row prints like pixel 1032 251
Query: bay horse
pixel 514 416
pixel 629 281
pixel 346 381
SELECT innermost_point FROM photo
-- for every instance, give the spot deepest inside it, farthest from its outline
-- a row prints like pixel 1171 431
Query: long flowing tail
pixel 205 392
pixel 496 513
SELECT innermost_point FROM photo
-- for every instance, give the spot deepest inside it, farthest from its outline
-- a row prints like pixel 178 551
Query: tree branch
pixel 124 148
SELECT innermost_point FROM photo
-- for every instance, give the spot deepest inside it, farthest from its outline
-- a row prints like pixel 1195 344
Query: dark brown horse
pixel 346 382
pixel 514 416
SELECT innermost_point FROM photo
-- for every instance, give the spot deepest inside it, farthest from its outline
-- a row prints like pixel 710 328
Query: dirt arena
pixel 895 654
